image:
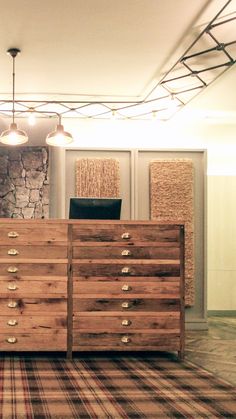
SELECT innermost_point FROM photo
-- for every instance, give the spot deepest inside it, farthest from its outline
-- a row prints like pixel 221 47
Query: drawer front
pixel 11 288
pixel 125 304
pixel 125 233
pixel 15 323
pixel 123 323
pixel 125 252
pixel 48 306
pixel 132 268
pixel 33 252
pixel 15 233
pixel 16 270
pixel 55 341
pixel 128 287
pixel 131 341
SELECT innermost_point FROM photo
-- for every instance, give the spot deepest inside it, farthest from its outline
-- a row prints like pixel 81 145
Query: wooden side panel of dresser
pixel 33 286
pixel 127 286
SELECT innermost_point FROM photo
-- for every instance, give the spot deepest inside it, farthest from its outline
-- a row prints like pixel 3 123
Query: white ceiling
pixel 98 50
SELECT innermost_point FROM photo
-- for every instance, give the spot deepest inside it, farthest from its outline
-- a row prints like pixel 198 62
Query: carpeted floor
pixel 105 386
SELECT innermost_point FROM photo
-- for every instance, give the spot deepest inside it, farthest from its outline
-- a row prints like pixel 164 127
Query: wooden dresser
pixel 33 286
pixel 127 286
pixel 69 285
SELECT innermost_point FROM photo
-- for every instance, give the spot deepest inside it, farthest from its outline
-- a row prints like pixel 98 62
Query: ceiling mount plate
pixel 13 52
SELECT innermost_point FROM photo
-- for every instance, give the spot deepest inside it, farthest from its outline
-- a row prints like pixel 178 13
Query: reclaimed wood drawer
pixel 26 288
pixel 55 341
pixel 32 323
pixel 119 251
pixel 112 232
pixel 123 287
pixel 17 269
pixel 130 268
pixel 125 304
pixel 105 322
pixel 168 340
pixel 18 232
pixel 46 251
pixel 48 306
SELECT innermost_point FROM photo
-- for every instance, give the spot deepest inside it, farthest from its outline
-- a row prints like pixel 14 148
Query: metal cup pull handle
pixel 12 322
pixel 126 322
pixel 125 236
pixel 126 252
pixel 125 339
pixel 12 269
pixel 13 234
pixel 12 304
pixel 12 287
pixel 126 304
pixel 12 252
pixel 126 287
pixel 11 339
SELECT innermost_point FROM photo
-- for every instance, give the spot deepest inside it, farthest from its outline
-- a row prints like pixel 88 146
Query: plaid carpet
pixel 105 386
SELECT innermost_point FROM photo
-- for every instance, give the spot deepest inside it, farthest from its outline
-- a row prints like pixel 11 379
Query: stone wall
pixel 24 182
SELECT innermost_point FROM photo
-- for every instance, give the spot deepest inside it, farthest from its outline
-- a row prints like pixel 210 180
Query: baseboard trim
pixel 196 324
pixel 222 313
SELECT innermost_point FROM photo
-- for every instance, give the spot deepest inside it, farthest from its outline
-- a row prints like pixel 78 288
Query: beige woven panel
pixel 97 178
pixel 171 194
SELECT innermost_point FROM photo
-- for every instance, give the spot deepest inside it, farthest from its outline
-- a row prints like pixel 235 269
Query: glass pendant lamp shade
pixel 59 137
pixel 13 136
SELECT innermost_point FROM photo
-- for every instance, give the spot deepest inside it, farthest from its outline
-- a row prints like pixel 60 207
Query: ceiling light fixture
pixel 15 136
pixel 32 117
pixel 59 137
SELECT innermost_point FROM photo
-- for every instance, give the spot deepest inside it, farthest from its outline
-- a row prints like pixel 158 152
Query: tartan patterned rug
pixel 110 386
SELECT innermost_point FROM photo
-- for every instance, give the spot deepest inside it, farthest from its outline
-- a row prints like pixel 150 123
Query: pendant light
pixel 13 136
pixel 59 137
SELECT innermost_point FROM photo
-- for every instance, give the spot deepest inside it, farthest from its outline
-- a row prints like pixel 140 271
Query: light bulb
pixel 113 114
pixel 32 118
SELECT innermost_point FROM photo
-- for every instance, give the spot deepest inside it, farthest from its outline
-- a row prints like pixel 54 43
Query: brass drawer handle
pixel 13 234
pixel 12 252
pixel 126 287
pixel 125 339
pixel 125 252
pixel 11 339
pixel 12 287
pixel 12 322
pixel 12 304
pixel 125 270
pixel 126 304
pixel 12 269
pixel 125 236
pixel 126 322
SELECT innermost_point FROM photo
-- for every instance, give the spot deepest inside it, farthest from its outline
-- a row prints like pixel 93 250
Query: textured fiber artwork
pixel 171 200
pixel 98 178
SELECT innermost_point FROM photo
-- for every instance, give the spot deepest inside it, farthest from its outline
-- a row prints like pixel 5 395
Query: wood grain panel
pixel 32 323
pixel 48 306
pixel 134 304
pixel 56 341
pixel 125 252
pixel 110 233
pixel 33 268
pixel 11 288
pixel 33 233
pixel 127 287
pixel 117 268
pixel 132 321
pixel 46 251
pixel 162 341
